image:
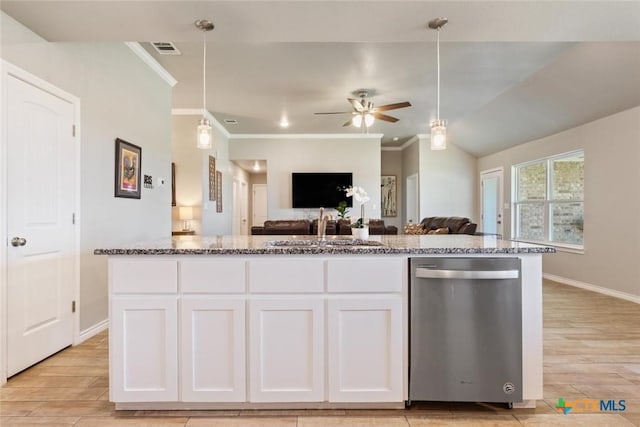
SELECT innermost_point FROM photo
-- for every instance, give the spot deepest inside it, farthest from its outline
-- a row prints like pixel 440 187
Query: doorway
pixel 240 201
pixel 40 199
pixel 413 199
pixel 259 204
pixel 491 218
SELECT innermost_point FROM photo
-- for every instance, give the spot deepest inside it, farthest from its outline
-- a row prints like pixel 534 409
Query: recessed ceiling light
pixel 256 166
pixel 231 121
pixel 395 138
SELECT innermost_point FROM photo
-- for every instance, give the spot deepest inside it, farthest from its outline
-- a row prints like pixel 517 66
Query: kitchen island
pixel 283 321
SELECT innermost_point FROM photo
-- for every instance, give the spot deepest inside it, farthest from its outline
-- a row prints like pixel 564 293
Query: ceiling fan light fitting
pixel 369 119
pixel 357 120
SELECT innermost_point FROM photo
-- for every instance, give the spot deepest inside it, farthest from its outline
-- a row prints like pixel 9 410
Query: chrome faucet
pixel 322 224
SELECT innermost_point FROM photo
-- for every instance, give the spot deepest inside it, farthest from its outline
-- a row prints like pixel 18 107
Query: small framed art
pixel 128 166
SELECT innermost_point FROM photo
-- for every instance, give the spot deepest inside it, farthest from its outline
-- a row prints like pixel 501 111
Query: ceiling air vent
pixel 231 121
pixel 165 48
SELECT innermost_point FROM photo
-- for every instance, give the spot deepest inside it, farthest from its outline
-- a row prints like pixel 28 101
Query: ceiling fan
pixel 364 113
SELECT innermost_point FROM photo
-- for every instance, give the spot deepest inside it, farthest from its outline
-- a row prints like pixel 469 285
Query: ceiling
pixel 511 71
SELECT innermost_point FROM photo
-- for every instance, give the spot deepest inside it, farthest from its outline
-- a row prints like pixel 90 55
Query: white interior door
pixel 413 199
pixel 491 199
pixel 40 205
pixel 244 201
pixel 237 214
pixel 259 204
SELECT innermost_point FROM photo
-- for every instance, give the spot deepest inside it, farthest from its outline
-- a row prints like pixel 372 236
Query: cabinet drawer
pixel 286 276
pixel 365 275
pixel 207 276
pixel 143 276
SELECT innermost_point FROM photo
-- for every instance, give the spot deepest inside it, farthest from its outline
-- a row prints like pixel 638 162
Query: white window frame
pixel 546 202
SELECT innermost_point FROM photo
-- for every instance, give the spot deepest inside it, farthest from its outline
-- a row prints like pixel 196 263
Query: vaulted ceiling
pixel 511 71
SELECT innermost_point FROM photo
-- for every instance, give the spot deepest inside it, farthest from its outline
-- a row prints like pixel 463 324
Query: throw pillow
pixel 413 229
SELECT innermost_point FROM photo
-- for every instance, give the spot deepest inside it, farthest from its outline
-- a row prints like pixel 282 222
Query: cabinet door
pixel 143 340
pixel 212 349
pixel 365 349
pixel 286 350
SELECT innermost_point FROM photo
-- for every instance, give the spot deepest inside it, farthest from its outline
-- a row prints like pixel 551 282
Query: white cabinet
pixel 143 341
pixel 286 339
pixel 213 348
pixel 365 345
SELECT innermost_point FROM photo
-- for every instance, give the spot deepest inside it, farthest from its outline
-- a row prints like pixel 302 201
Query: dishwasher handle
pixel 426 273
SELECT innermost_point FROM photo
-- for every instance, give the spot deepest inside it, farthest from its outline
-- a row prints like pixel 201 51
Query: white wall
pixel 448 181
pixel 360 155
pixel 120 97
pixel 612 206
pixel 192 177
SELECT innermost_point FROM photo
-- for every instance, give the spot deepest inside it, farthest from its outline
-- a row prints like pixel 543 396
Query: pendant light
pixel 438 127
pixel 204 133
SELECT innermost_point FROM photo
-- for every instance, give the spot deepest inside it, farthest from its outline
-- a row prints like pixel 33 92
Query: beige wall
pixel 612 206
pixel 448 182
pixel 410 166
pixel 120 97
pixel 391 164
pixel 361 156
pixel 192 177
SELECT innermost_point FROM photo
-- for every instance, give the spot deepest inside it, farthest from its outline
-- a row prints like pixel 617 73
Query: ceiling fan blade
pixel 384 117
pixel 348 123
pixel 356 104
pixel 393 106
pixel 337 112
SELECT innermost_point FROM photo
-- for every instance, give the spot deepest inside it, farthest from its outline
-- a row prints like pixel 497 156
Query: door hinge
pixel 73 306
pixel 73 130
pixel 73 218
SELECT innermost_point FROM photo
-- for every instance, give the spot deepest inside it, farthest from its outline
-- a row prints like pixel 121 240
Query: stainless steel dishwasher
pixel 465 330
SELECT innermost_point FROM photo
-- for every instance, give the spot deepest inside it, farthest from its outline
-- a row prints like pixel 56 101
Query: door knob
pixel 18 241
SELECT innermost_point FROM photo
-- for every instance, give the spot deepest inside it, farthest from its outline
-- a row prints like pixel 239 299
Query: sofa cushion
pixel 456 225
pixel 442 230
pixel 287 226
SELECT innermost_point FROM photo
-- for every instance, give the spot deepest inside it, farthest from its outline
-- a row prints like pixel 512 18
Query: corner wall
pixel 448 182
pixel 192 177
pixel 612 206
pixel 120 97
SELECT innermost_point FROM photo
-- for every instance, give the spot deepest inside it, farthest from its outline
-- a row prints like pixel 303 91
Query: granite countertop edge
pixel 324 251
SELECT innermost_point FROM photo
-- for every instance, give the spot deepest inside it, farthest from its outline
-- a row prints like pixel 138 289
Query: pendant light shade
pixel 438 127
pixel 204 131
pixel 205 134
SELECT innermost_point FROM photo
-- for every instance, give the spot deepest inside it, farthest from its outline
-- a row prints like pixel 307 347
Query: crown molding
pixel 198 112
pixel 375 136
pixel 410 141
pixel 151 62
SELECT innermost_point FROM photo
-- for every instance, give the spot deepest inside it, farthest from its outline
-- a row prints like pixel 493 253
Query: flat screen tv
pixel 320 189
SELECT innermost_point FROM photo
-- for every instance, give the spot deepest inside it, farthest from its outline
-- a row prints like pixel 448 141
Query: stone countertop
pixel 309 245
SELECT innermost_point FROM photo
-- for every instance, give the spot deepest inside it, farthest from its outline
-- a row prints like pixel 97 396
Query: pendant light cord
pixel 438 62
pixel 204 73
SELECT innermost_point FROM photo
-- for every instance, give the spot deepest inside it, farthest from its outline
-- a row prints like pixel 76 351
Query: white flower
pixel 358 193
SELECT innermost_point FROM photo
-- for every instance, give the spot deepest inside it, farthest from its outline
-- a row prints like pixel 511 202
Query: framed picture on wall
pixel 212 179
pixel 128 166
pixel 388 196
pixel 173 184
pixel 218 191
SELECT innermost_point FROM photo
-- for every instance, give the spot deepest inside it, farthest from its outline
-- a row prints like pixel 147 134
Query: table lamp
pixel 186 214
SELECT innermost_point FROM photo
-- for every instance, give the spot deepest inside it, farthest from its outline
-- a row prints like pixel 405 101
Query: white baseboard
pixel 92 331
pixel 593 288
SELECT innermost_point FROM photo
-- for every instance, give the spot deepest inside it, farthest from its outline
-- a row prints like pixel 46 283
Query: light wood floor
pixel 591 350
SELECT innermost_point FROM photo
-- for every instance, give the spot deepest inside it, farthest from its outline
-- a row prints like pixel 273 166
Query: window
pixel 549 200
